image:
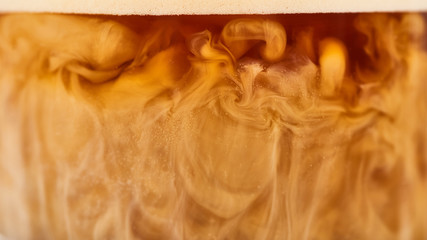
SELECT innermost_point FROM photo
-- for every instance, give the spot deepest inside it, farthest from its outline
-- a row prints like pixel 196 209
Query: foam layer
pixel 177 7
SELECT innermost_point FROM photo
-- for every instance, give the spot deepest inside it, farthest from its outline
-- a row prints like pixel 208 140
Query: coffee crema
pixel 305 126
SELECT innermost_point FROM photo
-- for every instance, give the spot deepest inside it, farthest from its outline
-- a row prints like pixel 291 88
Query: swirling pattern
pixel 213 127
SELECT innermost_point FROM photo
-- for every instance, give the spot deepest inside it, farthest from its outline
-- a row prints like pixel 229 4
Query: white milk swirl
pixel 268 127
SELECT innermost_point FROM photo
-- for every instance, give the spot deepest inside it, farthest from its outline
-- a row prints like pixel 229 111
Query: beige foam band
pixel 178 7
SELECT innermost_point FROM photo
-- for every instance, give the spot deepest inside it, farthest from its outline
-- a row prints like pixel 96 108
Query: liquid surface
pixel 213 127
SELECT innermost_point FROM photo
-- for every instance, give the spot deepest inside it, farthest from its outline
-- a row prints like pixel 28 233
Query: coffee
pixel 303 126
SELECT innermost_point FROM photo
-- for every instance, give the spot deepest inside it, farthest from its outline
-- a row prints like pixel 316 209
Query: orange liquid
pixel 308 126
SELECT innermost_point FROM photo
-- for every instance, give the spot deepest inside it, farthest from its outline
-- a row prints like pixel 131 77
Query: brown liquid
pixel 213 127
